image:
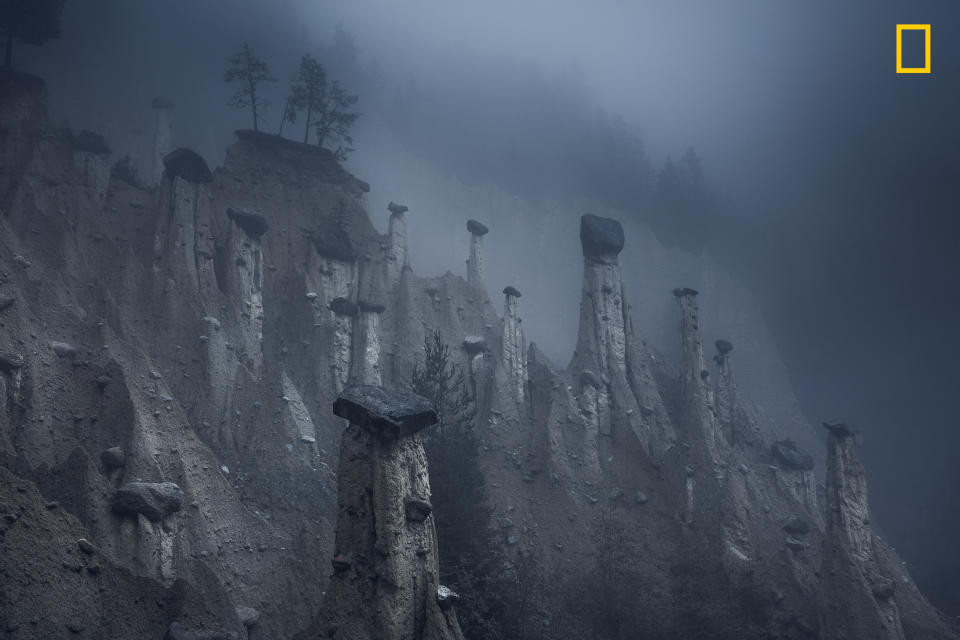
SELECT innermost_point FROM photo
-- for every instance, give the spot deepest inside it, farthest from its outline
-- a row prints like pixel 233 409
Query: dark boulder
pixel 10 361
pixel 790 455
pixel 370 307
pixel 474 344
pixel 91 143
pixel 724 346
pixel 417 509
pixel 113 458
pixel 797 527
pixel 600 236
pixel 511 291
pixel 390 414
pixel 188 164
pixel 340 563
pixel 253 223
pixel 64 349
pixel 397 209
pixel 155 500
pixel 332 241
pixel 343 307
pixel 477 228
pixel 839 429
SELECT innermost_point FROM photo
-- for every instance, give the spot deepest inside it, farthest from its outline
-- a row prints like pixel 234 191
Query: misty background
pixel 773 141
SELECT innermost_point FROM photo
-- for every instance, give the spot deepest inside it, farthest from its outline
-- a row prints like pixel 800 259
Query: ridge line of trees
pixel 326 104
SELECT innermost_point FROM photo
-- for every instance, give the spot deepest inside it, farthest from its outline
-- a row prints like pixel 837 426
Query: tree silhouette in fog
pixel 29 21
pixel 307 93
pixel 326 104
pixel 248 72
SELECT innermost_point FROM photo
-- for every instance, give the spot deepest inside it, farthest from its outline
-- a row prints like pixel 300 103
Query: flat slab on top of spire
pixel 477 228
pixel 397 209
pixel 188 164
pixel 839 428
pixel 369 306
pixel 389 414
pixel 682 292
pixel 253 223
pixel 792 456
pixel 511 291
pixel 724 346
pixel 600 236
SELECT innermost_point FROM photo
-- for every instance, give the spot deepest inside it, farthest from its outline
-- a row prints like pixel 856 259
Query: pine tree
pixel 248 72
pixel 308 93
pixel 335 121
pixel 29 21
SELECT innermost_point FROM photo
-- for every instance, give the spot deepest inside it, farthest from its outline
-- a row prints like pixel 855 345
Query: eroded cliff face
pixel 173 328
pixel 170 358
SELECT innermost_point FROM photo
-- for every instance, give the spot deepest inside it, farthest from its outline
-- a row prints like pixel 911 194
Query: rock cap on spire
pixel 477 228
pixel 724 346
pixel 600 236
pixel 253 223
pixel 389 414
pixel 838 428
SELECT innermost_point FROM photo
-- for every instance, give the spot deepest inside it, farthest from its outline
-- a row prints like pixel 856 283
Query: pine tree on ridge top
pixel 326 105
pixel 247 71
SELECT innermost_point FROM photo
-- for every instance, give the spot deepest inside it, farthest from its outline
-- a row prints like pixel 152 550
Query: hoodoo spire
pixel 475 260
pixel 695 384
pixel 514 347
pixel 397 257
pixel 385 581
pixel 860 591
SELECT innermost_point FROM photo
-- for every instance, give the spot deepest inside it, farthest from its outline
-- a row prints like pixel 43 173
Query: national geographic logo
pixel 925 28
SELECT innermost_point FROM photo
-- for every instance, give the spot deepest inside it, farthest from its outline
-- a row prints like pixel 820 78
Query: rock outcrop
pixel 385 581
pixel 155 500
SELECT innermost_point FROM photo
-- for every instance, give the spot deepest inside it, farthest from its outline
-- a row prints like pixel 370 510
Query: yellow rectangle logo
pixel 926 42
